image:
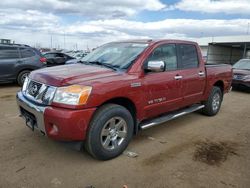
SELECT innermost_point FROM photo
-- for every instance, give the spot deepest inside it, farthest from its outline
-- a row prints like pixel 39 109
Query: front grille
pixel 238 77
pixel 34 88
pixel 36 92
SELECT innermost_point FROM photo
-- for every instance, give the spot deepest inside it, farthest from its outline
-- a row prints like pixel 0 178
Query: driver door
pixel 163 88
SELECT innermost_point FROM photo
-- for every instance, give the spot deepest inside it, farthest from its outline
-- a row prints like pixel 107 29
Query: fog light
pixel 54 129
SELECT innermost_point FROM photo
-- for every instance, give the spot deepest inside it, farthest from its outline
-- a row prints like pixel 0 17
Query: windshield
pixel 242 64
pixel 119 55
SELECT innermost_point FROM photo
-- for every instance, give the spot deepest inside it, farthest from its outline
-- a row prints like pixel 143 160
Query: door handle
pixel 201 73
pixel 177 77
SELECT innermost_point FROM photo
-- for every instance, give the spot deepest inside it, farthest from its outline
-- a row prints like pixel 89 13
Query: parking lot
pixel 165 153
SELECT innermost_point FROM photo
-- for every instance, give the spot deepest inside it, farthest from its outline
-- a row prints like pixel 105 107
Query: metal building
pixel 5 41
pixel 226 49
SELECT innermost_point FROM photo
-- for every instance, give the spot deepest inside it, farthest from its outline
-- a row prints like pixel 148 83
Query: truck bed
pixel 216 65
pixel 221 72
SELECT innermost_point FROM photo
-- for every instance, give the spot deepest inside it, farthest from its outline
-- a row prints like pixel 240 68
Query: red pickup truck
pixel 119 89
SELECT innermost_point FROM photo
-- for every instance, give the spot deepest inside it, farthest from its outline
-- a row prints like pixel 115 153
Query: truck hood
pixel 71 74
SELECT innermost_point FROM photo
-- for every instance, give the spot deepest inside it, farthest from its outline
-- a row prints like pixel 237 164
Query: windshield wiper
pixel 103 64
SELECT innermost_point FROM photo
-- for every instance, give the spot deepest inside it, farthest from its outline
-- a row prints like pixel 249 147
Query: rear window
pixel 188 56
pixel 26 52
pixel 8 53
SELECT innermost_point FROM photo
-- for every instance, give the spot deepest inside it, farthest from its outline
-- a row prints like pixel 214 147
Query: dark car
pixel 17 61
pixel 56 58
pixel 78 57
pixel 241 78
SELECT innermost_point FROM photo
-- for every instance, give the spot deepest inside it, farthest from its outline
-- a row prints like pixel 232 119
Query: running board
pixel 170 116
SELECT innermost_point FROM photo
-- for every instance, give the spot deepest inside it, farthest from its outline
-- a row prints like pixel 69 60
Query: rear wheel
pixel 213 104
pixel 21 77
pixel 110 131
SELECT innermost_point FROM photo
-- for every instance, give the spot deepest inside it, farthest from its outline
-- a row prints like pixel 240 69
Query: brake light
pixel 43 60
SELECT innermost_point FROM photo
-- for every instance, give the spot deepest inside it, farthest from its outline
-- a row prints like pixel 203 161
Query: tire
pixel 213 104
pixel 21 77
pixel 110 132
pixel 235 88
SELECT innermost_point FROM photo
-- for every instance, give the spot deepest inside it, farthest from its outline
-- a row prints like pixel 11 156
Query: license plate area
pixel 30 119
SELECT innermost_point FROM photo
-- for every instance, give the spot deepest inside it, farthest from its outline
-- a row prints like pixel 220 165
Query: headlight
pixel 25 84
pixel 72 95
pixel 48 95
pixel 246 77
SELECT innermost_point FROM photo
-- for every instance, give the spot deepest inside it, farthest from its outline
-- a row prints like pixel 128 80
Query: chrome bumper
pixel 35 110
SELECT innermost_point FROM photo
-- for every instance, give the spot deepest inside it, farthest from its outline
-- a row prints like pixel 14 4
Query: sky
pixel 81 24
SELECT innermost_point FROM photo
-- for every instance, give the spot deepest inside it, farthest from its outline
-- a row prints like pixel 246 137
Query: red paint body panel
pixel 107 84
pixel 71 124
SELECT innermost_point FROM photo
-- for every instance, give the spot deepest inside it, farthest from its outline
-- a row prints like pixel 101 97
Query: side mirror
pixel 156 66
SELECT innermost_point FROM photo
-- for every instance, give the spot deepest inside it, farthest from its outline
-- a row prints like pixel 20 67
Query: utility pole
pixel 245 50
pixel 247 28
pixel 51 42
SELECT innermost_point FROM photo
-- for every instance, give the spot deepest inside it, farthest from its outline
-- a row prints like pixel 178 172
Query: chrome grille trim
pixel 36 91
pixel 238 77
pixel 34 88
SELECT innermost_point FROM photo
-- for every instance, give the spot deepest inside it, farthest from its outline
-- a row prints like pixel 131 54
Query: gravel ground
pixel 165 153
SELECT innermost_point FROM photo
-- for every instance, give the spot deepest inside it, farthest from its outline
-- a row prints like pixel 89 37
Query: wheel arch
pixel 219 84
pixel 23 69
pixel 128 104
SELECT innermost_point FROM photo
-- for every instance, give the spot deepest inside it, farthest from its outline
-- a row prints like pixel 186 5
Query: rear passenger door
pixel 28 56
pixel 192 72
pixel 54 59
pixel 60 59
pixel 9 58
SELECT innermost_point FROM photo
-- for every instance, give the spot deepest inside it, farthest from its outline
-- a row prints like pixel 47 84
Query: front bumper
pixel 56 123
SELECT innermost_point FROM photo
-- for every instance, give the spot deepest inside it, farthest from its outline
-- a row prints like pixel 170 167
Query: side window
pixel 166 53
pixel 50 55
pixel 26 52
pixel 59 55
pixel 188 56
pixel 8 53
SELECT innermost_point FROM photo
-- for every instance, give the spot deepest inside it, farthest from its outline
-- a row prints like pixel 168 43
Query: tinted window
pixel 59 55
pixel 188 56
pixel 166 53
pixel 49 55
pixel 26 52
pixel 8 53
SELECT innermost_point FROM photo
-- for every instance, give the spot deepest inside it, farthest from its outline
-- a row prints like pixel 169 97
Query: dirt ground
pixel 165 153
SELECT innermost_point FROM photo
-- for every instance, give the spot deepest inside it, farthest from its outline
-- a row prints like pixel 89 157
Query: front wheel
pixel 110 131
pixel 213 104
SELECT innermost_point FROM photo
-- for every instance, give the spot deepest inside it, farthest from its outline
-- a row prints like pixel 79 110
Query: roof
pixel 149 41
pixel 15 45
